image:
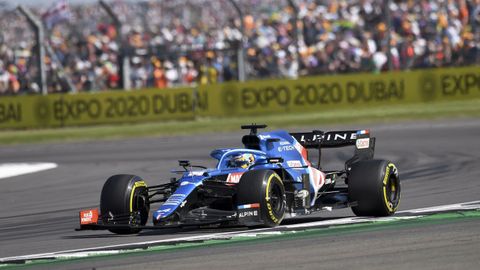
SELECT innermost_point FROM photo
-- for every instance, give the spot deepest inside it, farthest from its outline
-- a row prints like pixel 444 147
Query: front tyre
pixel 124 195
pixel 375 186
pixel 265 188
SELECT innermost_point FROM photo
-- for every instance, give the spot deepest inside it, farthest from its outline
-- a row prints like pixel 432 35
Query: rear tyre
pixel 375 186
pixel 264 187
pixel 121 195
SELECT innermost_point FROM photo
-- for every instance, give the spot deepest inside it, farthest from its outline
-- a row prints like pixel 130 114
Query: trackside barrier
pixel 59 110
pixel 308 94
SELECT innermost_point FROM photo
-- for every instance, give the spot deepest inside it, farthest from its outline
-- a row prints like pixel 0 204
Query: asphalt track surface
pixel 438 164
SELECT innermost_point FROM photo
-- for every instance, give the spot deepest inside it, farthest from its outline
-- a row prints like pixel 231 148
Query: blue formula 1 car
pixel 259 185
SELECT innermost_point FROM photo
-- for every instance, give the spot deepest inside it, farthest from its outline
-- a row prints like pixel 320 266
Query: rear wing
pixel 364 144
pixel 330 139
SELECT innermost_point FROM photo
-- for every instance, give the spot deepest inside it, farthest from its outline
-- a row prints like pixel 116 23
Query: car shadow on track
pixel 107 234
pixel 191 230
pixel 299 220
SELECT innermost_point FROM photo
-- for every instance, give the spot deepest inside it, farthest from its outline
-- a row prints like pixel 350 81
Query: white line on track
pixel 16 169
pixel 345 221
pixel 442 208
pixel 115 249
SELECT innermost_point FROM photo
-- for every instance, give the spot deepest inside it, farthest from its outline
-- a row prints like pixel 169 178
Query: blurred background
pixel 96 46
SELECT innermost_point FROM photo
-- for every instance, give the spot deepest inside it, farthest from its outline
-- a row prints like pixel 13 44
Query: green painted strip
pixel 285 235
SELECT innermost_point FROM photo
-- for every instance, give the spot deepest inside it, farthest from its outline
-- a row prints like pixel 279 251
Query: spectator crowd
pixel 169 43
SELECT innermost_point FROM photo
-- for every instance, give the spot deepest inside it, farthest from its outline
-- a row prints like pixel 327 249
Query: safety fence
pixel 307 94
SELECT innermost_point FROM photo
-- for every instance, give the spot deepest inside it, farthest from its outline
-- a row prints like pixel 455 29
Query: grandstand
pixel 171 43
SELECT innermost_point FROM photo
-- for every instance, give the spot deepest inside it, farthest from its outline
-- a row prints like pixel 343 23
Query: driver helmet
pixel 241 161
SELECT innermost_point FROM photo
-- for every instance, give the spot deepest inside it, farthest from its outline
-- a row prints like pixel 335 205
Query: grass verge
pixel 382 114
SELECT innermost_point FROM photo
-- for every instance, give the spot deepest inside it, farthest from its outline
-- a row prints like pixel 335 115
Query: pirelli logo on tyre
pixel 270 210
pixel 390 181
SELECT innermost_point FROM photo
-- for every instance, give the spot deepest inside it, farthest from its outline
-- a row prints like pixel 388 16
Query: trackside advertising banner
pixel 240 99
pixel 336 91
pixel 60 110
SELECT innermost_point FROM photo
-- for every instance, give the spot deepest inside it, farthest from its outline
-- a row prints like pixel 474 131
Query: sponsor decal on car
pixel 175 199
pixel 196 173
pixel 314 138
pixel 163 210
pixel 339 136
pixel 363 143
pixel 248 213
pixel 234 177
pixel 89 216
pixel 285 148
pixel 248 206
pixel 295 164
